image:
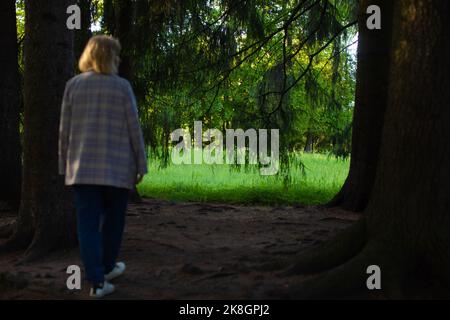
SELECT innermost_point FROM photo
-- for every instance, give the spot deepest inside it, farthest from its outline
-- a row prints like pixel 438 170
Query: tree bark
pixel 10 160
pixel 124 11
pixel 109 17
pixel 410 208
pixel 46 216
pixel 370 105
pixel 407 220
pixel 82 36
pixel 123 30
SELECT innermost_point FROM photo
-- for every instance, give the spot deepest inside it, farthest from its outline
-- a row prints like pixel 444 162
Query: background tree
pixel 82 36
pixel 119 17
pixel 46 217
pixel 372 80
pixel 124 14
pixel 10 161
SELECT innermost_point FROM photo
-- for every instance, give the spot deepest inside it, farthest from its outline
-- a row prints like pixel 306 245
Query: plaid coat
pixel 100 139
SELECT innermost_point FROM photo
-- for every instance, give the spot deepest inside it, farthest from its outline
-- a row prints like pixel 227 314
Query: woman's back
pixel 103 142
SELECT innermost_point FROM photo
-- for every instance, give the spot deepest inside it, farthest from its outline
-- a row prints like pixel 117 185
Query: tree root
pixel 332 253
pixel 338 198
pixel 349 198
pixel 349 278
pixel 34 253
pixel 19 240
pixel 39 247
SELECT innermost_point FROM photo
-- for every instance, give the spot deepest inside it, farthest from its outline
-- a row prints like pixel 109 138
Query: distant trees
pixel 10 99
pixel 231 64
pixel 46 217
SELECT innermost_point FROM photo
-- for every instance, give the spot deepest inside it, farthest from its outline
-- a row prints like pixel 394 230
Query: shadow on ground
pixel 188 251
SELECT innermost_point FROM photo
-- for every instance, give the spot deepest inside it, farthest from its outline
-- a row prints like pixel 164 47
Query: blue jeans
pixel 100 223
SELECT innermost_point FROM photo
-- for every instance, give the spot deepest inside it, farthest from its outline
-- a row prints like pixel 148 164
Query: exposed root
pixel 38 249
pixel 19 240
pixel 332 253
pixel 351 197
pixel 338 198
pixel 348 279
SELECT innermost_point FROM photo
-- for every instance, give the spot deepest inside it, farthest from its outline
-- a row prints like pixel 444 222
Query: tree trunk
pixel 370 105
pixel 109 17
pixel 406 226
pixel 410 205
pixel 124 12
pixel 10 160
pixel 309 146
pixel 46 216
pixel 123 27
pixel 82 36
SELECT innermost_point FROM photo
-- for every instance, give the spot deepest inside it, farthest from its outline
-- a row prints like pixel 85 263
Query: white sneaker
pixel 99 293
pixel 117 271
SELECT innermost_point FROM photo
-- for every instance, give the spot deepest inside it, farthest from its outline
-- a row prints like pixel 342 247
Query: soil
pixel 190 250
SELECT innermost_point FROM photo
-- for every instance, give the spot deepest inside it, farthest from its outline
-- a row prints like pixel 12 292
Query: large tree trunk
pixel 82 36
pixel 109 17
pixel 406 228
pixel 10 159
pixel 46 216
pixel 410 205
pixel 370 105
pixel 124 10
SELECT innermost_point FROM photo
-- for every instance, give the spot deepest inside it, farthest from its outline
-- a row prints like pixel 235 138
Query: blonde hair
pixel 101 55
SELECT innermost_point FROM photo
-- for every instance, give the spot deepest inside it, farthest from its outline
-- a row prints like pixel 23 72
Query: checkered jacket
pixel 100 139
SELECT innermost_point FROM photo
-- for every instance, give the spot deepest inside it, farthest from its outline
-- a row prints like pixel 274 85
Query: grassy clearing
pixel 217 183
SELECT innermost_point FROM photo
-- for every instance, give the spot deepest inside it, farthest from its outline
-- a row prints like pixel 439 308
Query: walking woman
pixel 102 155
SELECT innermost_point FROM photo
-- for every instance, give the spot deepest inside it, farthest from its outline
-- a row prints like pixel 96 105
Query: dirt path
pixel 188 251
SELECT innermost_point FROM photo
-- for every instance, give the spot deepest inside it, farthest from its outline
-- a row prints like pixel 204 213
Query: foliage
pixel 239 64
pixel 246 64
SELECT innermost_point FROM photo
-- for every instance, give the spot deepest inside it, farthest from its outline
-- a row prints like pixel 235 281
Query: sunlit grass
pixel 322 179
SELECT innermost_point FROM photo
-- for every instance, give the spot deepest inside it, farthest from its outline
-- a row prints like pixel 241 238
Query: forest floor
pixel 188 250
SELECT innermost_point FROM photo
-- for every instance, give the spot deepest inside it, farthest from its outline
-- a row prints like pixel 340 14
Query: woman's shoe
pixel 102 290
pixel 117 271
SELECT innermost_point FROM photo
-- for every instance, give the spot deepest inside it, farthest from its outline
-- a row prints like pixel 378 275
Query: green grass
pixel 216 183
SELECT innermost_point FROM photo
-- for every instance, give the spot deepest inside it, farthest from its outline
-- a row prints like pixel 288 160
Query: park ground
pixel 189 250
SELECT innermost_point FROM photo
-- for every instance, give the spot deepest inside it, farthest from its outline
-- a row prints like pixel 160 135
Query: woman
pixel 102 155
